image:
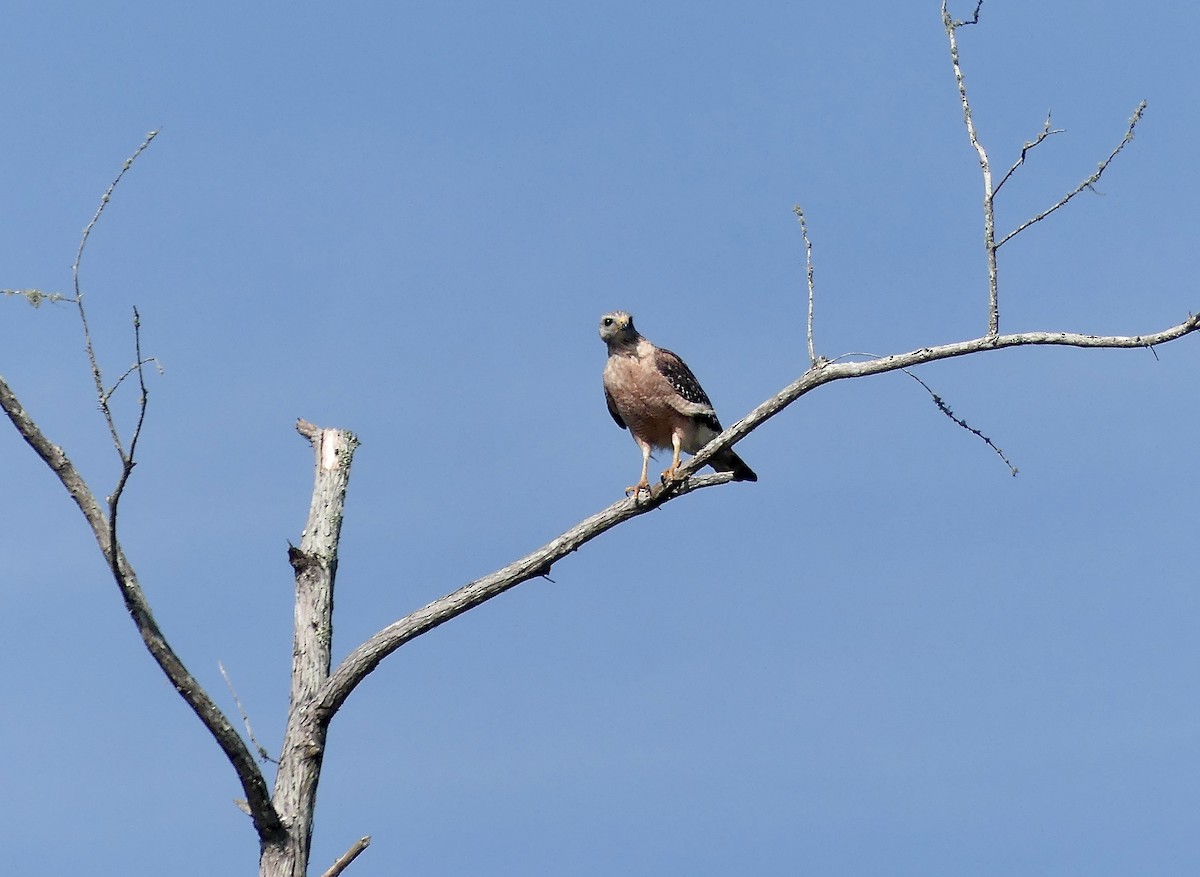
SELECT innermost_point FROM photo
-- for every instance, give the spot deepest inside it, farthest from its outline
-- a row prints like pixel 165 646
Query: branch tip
pixel 808 264
pixel 262 750
pixel 349 856
pixel 974 19
pixel 945 409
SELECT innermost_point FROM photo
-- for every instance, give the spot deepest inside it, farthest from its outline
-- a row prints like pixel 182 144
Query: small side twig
pixel 974 19
pixel 1046 131
pixel 349 856
pixel 808 262
pixel 35 296
pixel 143 394
pixel 262 750
pixel 136 367
pixel 1091 181
pixel 945 409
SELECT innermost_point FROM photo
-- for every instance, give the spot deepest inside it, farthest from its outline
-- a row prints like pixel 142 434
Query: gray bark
pixel 315 563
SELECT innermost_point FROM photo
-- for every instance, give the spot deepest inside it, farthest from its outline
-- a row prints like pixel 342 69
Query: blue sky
pixel 886 657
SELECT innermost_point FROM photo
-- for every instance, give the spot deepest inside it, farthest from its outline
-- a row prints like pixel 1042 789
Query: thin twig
pixel 1046 131
pixel 808 262
pixel 129 371
pixel 942 406
pixel 262 750
pixel 974 19
pixel 989 216
pixel 127 461
pixel 97 376
pixel 35 296
pixel 945 409
pixel 143 394
pixel 349 856
pixel 847 355
pixel 1086 184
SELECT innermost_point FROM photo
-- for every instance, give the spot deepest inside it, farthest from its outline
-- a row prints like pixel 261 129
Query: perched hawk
pixel 653 393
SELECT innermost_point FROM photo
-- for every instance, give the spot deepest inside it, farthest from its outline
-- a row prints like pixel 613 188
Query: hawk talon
pixel 635 490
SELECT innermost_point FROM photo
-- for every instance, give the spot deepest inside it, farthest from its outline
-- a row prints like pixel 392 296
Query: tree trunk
pixel 315 565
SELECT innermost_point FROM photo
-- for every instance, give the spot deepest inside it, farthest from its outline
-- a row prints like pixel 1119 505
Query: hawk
pixel 652 393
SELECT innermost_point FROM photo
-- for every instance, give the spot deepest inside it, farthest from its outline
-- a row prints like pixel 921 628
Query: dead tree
pixel 282 816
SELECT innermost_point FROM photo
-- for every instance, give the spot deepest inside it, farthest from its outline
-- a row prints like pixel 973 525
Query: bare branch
pixel 814 378
pixel 262 750
pixel 347 857
pixel 1046 131
pixel 989 215
pixel 366 657
pixel 1138 111
pixel 266 821
pixel 812 352
pixel 945 409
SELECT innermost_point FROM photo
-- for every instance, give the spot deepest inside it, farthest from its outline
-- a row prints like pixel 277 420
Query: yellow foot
pixel 669 475
pixel 638 488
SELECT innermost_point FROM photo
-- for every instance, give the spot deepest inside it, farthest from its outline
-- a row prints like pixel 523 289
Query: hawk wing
pixel 683 382
pixel 612 408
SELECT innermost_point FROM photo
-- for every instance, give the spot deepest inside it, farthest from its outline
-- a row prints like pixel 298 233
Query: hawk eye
pixel 608 321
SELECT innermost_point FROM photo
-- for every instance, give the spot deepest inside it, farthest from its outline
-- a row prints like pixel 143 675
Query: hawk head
pixel 616 330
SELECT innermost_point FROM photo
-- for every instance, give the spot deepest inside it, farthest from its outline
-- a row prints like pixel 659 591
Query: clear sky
pixel 886 657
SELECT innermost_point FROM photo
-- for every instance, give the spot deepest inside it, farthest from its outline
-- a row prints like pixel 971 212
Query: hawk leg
pixel 676 444
pixel 644 483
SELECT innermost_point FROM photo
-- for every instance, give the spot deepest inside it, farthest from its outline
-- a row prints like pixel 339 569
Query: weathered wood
pixel 315 564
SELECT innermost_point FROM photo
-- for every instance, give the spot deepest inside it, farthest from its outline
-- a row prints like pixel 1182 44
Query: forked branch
pixel 991 245
pixel 266 821
pixel 104 528
pixel 1091 181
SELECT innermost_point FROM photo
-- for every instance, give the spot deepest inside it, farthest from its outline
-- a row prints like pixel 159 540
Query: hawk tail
pixel 728 461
